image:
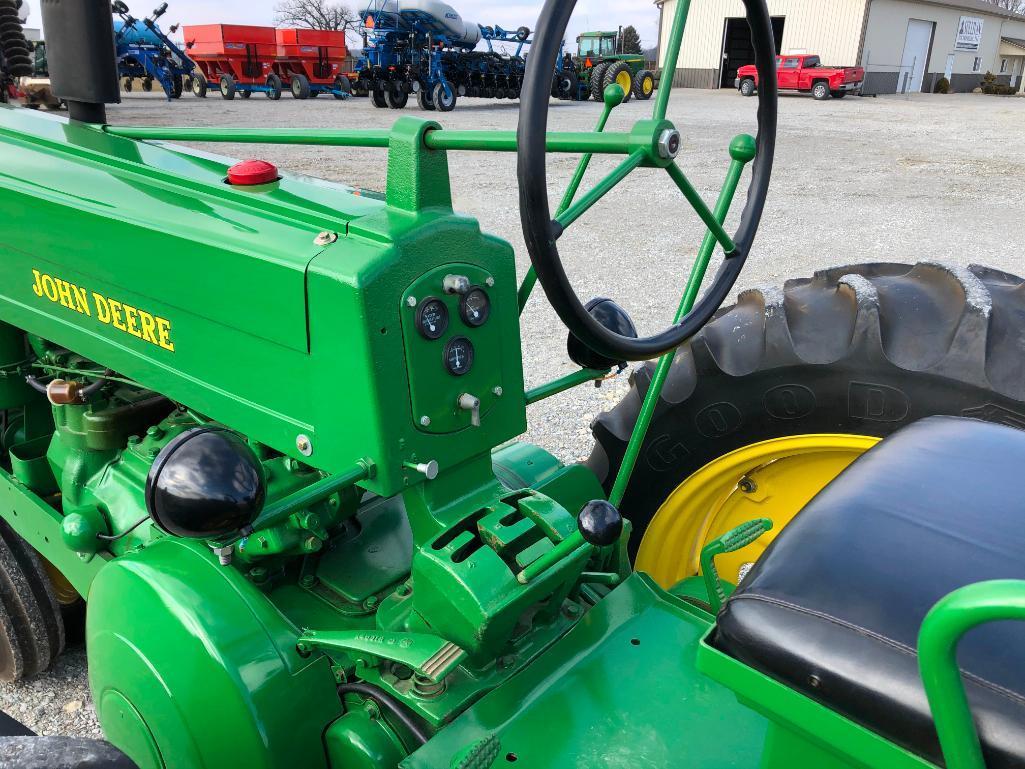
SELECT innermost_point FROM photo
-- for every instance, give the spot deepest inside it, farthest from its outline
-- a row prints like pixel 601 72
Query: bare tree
pixel 1014 6
pixel 316 14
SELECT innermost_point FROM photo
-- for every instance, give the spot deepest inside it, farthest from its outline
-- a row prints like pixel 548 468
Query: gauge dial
pixel 432 318
pixel 458 356
pixel 475 307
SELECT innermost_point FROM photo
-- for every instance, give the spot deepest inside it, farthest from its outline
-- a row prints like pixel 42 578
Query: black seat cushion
pixel 834 606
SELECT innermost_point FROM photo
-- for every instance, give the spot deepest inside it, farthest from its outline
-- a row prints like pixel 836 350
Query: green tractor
pixel 600 62
pixel 263 429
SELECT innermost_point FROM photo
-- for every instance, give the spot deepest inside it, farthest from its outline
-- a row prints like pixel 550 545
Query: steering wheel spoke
pixel 701 208
pixel 600 190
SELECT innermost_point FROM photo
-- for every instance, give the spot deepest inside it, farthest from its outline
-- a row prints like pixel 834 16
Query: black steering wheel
pixel 541 233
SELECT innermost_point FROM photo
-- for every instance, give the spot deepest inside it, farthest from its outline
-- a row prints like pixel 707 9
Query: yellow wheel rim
pixel 773 479
pixel 62 589
pixel 648 85
pixel 624 80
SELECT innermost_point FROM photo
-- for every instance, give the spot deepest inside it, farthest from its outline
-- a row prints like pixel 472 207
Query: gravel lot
pixel 885 179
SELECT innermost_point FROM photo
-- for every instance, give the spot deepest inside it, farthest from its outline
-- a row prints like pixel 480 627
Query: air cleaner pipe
pixel 317 492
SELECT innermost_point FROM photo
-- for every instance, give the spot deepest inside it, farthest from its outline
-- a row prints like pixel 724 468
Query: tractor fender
pixel 191 665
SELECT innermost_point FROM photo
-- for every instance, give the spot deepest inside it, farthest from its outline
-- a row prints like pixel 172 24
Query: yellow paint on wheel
pixel 62 589
pixel 647 85
pixel 625 81
pixel 773 479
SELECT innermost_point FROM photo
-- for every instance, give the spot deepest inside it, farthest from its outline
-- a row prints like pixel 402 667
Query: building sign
pixel 969 34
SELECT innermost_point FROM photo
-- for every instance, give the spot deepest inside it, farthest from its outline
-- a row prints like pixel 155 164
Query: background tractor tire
pixel 644 85
pixel 378 98
pixel 748 87
pixel 342 87
pixel 619 72
pixel 245 95
pixel 395 97
pixel 425 100
pixel 274 87
pixel 597 80
pixel 31 626
pixel 300 87
pixel 853 354
pixel 444 97
pixel 228 87
pixel 568 85
pixel 199 86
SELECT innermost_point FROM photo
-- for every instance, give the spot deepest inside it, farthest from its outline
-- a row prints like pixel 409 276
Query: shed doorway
pixel 737 49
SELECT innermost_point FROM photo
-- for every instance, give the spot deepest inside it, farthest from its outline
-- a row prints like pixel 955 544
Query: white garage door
pixel 916 54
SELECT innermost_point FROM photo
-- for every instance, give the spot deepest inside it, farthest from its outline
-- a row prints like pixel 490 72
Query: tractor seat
pixel 834 606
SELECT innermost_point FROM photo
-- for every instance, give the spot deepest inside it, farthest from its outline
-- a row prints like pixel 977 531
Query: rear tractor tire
pixel 31 626
pixel 597 80
pixel 778 394
pixel 619 72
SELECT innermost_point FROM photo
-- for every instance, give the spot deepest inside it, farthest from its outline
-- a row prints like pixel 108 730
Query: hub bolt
pixel 325 238
pixel 304 444
pixel 669 144
pixel 411 301
pixel 425 421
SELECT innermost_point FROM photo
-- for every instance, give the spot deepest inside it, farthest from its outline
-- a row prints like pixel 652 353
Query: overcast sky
pixel 590 14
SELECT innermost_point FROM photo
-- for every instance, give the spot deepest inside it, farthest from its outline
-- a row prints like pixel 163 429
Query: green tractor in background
pixel 600 62
pixel 265 428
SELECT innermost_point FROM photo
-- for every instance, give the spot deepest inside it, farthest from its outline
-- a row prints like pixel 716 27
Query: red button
pixel 250 172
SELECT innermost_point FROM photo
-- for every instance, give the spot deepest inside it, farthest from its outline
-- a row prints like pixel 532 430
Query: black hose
pixel 83 395
pixel 388 703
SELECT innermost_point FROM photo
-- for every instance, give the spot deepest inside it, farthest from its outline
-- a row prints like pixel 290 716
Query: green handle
pixel 941 632
pixel 730 542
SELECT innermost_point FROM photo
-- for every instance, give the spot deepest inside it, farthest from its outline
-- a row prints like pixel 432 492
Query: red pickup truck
pixel 805 73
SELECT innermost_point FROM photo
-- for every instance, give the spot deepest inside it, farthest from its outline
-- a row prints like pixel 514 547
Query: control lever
pixel 471 403
pixel 599 524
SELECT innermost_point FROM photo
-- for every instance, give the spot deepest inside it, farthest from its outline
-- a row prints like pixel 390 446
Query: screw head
pixel 489 282
pixel 304 444
pixel 669 144
pixel 325 238
pixel 410 301
pixel 747 485
pixel 498 392
pixel 425 421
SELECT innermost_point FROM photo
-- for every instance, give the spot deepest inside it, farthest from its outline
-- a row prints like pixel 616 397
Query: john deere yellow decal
pixel 122 316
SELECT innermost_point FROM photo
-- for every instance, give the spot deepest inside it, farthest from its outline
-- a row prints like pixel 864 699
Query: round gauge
pixel 459 355
pixel 432 318
pixel 475 307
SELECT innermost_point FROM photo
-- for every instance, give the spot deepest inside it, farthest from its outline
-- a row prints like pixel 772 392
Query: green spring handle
pixel 730 542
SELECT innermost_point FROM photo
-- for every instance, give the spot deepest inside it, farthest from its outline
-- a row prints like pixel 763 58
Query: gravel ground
pixel 885 179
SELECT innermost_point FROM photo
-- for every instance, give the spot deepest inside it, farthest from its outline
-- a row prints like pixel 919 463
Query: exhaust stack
pixel 81 56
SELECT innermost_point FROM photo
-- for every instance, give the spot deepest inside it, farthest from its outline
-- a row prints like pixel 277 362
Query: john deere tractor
pixel 601 62
pixel 264 430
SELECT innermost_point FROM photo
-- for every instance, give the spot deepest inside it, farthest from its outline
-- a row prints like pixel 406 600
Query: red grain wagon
pixel 312 61
pixel 234 58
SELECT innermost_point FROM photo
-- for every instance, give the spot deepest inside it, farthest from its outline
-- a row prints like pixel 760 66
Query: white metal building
pixel 904 45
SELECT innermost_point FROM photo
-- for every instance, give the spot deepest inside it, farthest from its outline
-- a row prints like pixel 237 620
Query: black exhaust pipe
pixel 81 56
